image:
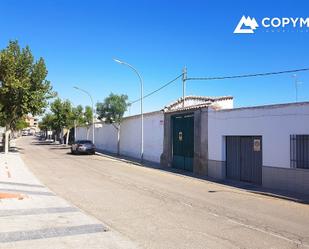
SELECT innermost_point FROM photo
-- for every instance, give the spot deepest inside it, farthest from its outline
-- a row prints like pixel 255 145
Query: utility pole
pixel 184 78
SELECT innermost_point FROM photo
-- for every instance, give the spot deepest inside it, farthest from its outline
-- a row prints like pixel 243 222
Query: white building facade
pixel 278 127
pixel 263 145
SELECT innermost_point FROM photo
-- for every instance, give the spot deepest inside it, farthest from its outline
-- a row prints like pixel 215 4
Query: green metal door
pixel 183 141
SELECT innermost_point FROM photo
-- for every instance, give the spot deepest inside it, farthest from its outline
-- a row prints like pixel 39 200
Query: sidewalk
pixel 31 216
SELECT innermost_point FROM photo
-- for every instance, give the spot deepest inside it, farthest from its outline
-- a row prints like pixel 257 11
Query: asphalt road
pixel 158 209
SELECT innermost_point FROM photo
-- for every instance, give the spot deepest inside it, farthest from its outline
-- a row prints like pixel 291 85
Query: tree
pixel 80 118
pixel 66 116
pixel 23 86
pixel 63 116
pixel 111 111
pixel 78 115
pixel 47 123
pixel 88 118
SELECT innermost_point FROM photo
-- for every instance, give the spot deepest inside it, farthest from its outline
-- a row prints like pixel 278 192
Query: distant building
pixel 33 123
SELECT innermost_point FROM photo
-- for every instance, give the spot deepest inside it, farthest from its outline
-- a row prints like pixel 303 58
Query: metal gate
pixel 183 141
pixel 244 158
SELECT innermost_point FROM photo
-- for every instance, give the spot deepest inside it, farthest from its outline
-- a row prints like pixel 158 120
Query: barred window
pixel 300 151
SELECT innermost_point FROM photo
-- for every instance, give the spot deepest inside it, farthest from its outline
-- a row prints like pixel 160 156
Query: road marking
pixel 260 230
pixel 11 196
pixel 51 233
pixel 214 214
pixel 8 172
pixel 31 211
pixel 23 184
pixel 27 192
pixel 268 232
pixel 187 204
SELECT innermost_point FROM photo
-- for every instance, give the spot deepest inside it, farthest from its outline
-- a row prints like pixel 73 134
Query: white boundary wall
pixel 81 133
pixel 130 136
pixel 105 136
pixel 274 123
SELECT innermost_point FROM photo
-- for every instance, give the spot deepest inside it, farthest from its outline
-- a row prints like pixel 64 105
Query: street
pixel 159 209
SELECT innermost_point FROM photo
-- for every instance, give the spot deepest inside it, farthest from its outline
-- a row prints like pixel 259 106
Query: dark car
pixel 83 147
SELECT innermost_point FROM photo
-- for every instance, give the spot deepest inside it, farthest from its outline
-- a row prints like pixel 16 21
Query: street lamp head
pixel 118 61
pixel 75 87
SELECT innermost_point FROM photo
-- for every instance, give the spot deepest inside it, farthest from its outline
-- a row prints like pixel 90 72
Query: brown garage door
pixel 244 158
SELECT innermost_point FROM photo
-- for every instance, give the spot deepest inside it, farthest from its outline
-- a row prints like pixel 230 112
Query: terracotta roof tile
pixel 206 99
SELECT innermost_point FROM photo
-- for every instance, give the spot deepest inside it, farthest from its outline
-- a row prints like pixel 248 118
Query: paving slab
pixel 41 219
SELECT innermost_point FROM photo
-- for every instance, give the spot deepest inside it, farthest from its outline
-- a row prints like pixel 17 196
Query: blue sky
pixel 78 40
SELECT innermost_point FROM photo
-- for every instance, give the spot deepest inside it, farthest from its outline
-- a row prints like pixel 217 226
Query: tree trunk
pixel 118 140
pixel 68 134
pixel 57 136
pixel 7 141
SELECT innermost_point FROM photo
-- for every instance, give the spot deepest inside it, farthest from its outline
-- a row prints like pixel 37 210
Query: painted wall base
pixel 217 169
pixel 286 179
pixel 294 180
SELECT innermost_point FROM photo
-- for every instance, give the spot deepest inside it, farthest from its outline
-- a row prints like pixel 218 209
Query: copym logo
pixel 248 25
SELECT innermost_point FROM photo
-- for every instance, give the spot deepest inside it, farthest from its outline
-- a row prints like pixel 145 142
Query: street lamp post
pixel 74 130
pixel 297 84
pixel 93 113
pixel 142 115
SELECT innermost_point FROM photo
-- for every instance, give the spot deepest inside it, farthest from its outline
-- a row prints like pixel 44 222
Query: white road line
pixel 268 232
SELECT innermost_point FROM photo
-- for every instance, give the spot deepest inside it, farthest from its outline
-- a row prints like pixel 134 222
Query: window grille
pixel 299 145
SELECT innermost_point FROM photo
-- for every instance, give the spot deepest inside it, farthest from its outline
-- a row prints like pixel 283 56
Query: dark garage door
pixel 244 158
pixel 183 141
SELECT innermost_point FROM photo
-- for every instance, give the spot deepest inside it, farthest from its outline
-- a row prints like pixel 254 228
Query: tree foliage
pixel 113 108
pixel 23 85
pixel 47 122
pixel 88 115
pixel 21 124
pixel 62 114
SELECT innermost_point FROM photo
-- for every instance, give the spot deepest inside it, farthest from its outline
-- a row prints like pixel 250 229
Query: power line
pixel 157 90
pixel 249 75
pixel 222 78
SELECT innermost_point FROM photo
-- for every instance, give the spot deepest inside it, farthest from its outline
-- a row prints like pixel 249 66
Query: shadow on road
pixel 42 143
pixel 60 148
pixel 80 154
pixel 13 149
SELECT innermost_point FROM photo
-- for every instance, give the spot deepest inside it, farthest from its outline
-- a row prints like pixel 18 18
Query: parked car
pixel 24 133
pixel 83 147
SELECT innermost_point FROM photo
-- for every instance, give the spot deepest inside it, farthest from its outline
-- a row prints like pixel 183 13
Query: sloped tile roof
pixel 206 101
